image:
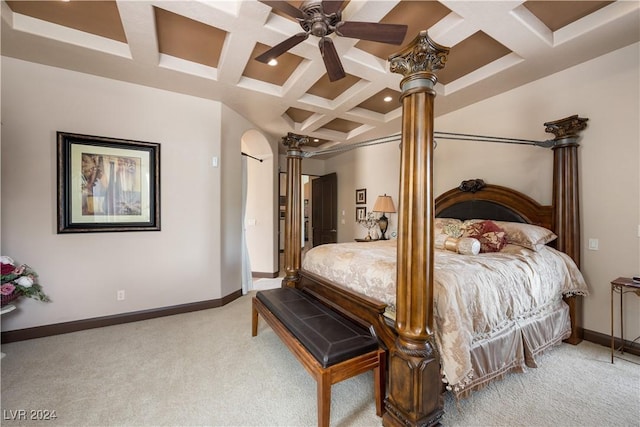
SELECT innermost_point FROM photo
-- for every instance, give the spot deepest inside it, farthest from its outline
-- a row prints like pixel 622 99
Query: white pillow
pixel 528 236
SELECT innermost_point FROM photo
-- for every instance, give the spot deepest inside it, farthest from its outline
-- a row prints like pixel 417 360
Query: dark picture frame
pixel 107 184
pixel 361 196
pixel 361 213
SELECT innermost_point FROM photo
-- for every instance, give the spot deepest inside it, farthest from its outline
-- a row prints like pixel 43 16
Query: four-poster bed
pixel 414 368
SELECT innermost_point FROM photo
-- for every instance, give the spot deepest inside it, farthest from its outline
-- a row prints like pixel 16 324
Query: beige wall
pixel 192 259
pixel 605 90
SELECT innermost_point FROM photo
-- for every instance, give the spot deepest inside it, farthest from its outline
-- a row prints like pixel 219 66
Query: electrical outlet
pixel 594 244
pixel 120 295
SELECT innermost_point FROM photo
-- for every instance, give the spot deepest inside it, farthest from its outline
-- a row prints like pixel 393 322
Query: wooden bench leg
pixel 254 318
pixel 324 399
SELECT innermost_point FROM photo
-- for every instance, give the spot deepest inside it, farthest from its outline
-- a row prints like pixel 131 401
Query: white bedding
pixel 475 296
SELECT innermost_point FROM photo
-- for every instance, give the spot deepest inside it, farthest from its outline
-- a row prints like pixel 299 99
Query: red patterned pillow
pixel 492 238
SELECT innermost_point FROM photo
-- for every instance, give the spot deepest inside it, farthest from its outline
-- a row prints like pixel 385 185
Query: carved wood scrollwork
pixel 293 141
pixel 471 185
pixel 422 55
pixel 569 127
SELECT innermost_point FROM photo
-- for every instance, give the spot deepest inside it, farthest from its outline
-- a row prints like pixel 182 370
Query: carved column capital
pixel 566 130
pixel 421 57
pixel 293 142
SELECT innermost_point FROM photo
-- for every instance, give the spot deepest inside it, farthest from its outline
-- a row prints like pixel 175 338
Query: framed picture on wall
pixel 361 196
pixel 107 184
pixel 361 213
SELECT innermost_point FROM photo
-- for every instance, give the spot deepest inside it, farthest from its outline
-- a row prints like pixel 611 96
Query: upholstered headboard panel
pixel 480 209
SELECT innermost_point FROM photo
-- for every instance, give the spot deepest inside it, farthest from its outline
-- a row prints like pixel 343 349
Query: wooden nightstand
pixel 621 285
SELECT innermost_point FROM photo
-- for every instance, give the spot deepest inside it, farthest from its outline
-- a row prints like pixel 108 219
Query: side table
pixel 621 285
pixel 3 310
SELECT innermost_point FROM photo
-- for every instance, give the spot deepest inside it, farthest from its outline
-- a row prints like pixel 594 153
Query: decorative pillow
pixel 528 236
pixel 440 223
pixel 492 238
pixel 464 245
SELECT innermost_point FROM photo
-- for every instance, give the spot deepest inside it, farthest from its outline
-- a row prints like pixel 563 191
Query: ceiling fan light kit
pixel 322 19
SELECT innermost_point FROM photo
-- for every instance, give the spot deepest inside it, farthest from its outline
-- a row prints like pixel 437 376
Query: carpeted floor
pixel 204 368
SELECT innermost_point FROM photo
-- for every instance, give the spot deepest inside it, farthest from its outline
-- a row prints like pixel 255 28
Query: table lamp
pixel 384 204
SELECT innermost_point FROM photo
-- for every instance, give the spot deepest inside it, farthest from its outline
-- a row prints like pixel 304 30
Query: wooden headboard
pixel 474 199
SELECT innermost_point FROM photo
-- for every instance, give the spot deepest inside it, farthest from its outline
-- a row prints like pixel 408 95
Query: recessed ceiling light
pixel 387 99
pixel 316 140
pixel 273 62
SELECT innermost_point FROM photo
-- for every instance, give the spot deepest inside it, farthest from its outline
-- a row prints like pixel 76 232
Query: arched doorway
pixel 260 221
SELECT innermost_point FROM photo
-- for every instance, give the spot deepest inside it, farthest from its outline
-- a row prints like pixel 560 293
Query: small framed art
pixel 361 196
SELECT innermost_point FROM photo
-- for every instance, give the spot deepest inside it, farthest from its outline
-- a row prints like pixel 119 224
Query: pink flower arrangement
pixel 19 281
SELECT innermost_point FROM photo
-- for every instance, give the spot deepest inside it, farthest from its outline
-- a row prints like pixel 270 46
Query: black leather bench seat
pixel 329 336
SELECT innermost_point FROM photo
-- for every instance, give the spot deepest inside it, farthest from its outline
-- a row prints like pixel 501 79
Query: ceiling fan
pixel 321 18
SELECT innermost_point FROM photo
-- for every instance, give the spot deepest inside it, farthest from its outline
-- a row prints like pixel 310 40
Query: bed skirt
pixel 515 349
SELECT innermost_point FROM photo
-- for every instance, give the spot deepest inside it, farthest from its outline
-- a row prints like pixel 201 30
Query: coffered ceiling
pixel 206 49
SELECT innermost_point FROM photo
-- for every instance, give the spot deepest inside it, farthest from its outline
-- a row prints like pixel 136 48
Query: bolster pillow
pixel 463 245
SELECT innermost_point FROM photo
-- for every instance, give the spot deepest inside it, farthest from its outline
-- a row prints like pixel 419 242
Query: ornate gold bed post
pixel 566 218
pixel 292 218
pixel 414 365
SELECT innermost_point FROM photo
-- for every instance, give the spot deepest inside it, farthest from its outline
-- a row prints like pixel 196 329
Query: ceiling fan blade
pixel 331 59
pixel 331 6
pixel 373 31
pixel 281 48
pixel 285 7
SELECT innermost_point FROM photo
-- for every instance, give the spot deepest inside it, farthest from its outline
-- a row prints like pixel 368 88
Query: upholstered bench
pixel 330 346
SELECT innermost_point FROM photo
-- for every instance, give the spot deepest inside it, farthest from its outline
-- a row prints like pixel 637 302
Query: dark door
pixel 324 215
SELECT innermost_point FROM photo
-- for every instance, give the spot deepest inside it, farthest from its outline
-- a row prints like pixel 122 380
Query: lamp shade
pixel 384 204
